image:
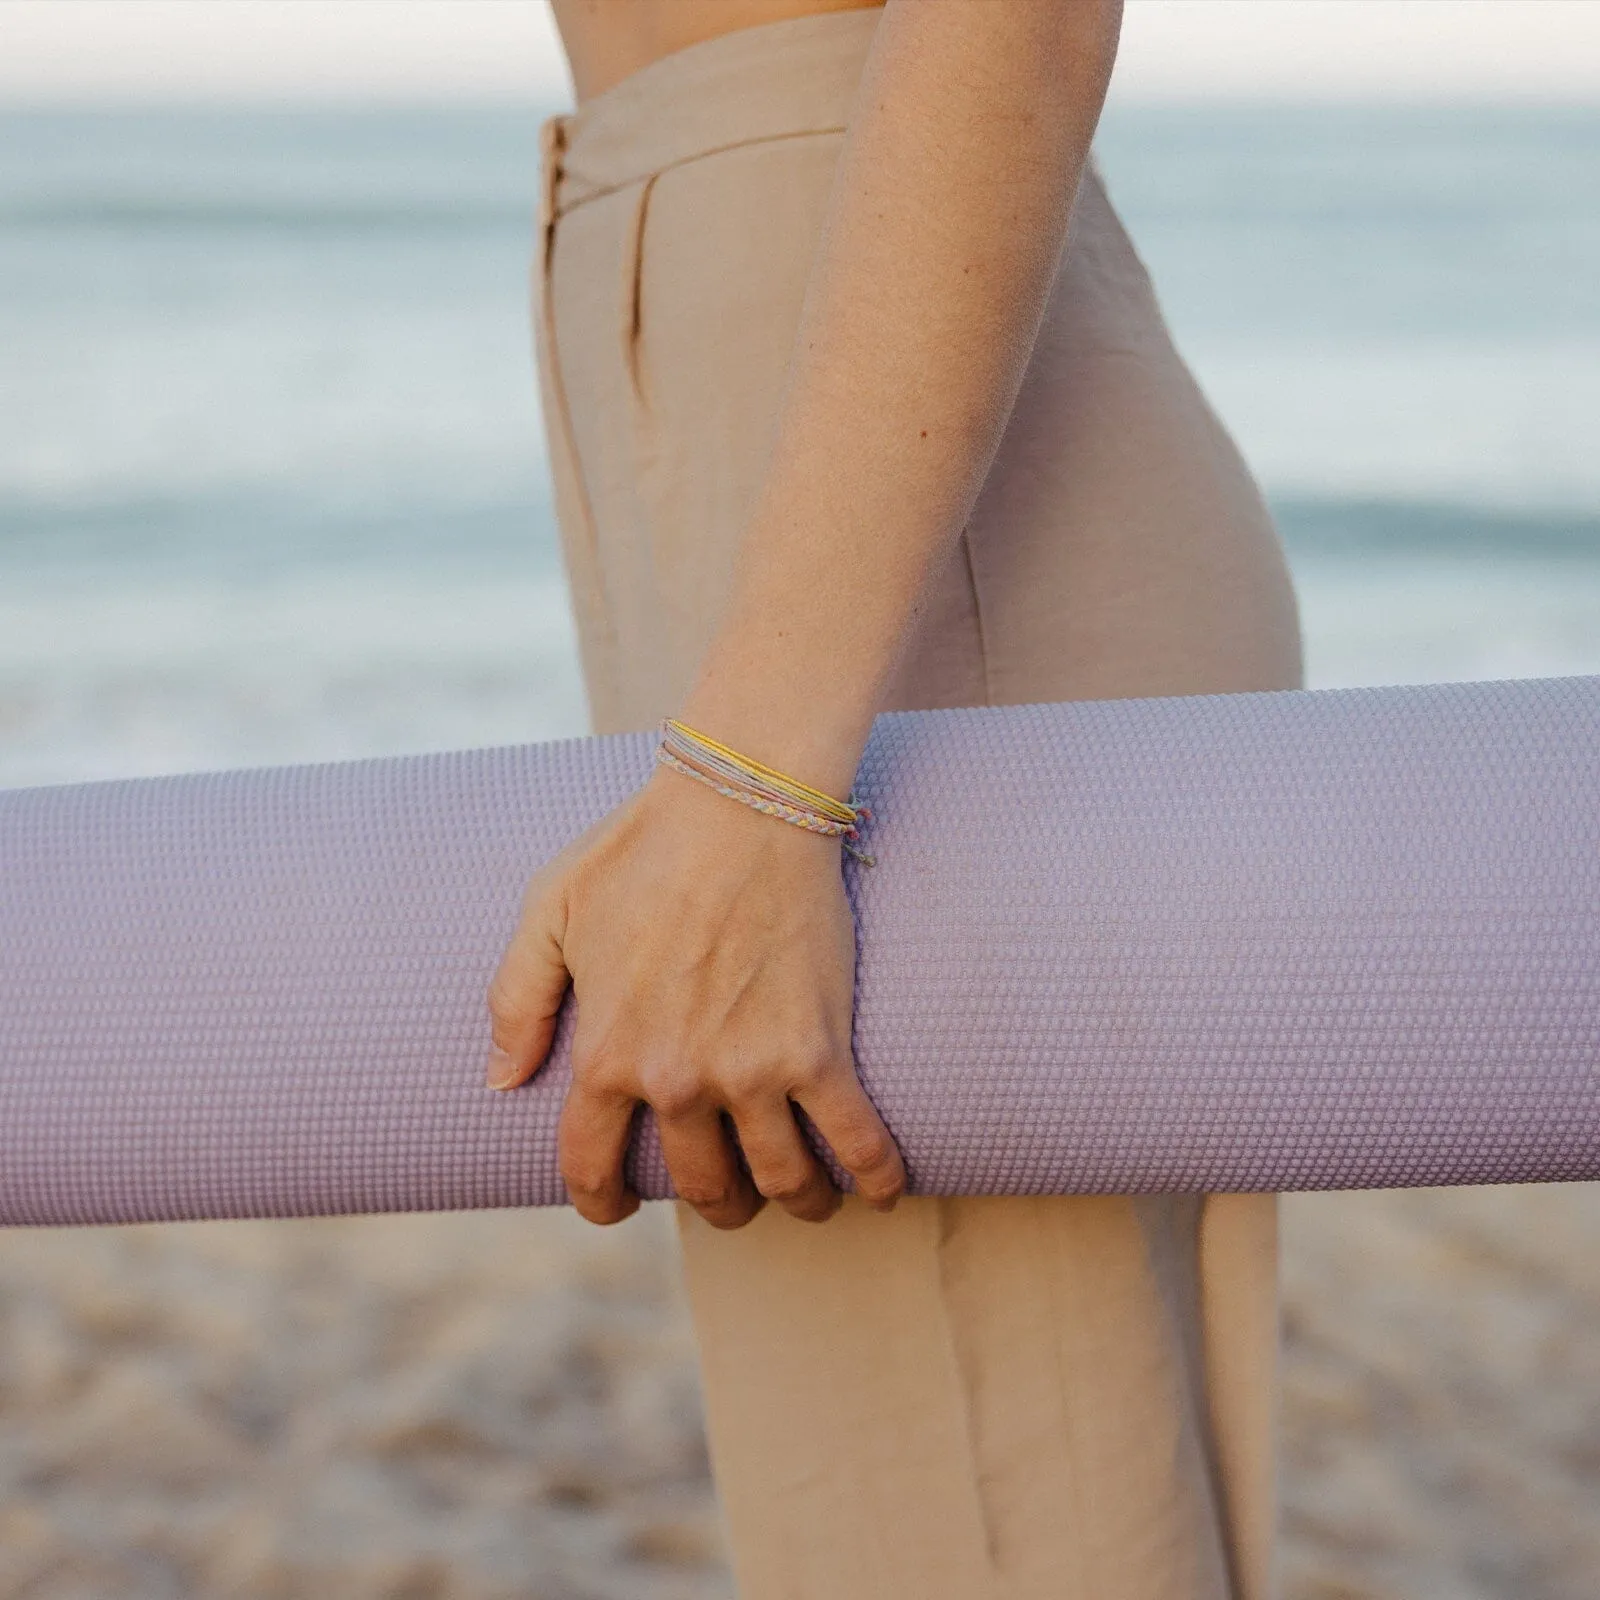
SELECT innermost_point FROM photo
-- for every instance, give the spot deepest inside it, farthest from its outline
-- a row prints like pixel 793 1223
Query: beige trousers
pixel 979 1398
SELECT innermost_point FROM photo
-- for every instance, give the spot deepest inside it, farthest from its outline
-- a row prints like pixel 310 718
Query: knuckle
pixel 868 1152
pixel 746 1083
pixel 787 1183
pixel 590 1064
pixel 505 1008
pixel 707 1195
pixel 585 1177
pixel 881 1190
pixel 672 1091
pixel 813 1066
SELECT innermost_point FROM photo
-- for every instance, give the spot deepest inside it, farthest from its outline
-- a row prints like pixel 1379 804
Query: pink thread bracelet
pixel 760 787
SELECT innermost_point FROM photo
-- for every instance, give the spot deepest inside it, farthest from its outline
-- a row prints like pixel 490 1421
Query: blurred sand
pixel 504 1404
pixel 1442 1397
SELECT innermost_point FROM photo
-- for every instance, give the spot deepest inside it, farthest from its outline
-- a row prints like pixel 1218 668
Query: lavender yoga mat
pixel 1294 940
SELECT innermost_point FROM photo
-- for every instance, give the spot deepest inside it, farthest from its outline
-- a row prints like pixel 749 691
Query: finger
pixel 782 1165
pixel 526 993
pixel 705 1168
pixel 848 1120
pixel 591 1143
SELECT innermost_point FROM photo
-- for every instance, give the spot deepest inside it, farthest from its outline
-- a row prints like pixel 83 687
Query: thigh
pixel 978 1399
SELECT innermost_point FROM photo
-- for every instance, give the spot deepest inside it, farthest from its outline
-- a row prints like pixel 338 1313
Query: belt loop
pixel 552 143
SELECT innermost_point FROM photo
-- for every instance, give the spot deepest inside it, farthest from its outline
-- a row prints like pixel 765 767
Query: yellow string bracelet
pixel 759 786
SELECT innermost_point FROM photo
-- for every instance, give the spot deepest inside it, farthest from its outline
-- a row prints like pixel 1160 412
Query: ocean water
pixel 272 484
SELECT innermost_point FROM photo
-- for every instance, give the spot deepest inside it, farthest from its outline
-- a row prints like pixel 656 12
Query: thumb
pixel 526 992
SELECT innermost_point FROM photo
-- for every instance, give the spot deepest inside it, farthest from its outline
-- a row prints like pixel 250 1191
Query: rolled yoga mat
pixel 1291 940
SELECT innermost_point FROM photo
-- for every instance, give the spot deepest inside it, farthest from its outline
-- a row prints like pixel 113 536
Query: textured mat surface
pixel 1293 940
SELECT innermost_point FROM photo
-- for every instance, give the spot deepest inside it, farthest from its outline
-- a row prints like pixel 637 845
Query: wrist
pixel 815 740
pixel 738 830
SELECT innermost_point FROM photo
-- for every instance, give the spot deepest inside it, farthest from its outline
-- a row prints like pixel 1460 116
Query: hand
pixel 712 954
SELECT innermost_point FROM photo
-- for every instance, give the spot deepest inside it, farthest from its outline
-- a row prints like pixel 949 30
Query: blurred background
pixel 273 488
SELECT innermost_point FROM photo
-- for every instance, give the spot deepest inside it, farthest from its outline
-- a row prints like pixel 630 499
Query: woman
pixel 858 398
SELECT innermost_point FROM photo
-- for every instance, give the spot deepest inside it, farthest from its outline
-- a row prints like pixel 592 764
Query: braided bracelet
pixel 761 787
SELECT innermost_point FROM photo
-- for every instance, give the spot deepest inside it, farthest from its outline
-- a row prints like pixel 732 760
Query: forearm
pixel 966 144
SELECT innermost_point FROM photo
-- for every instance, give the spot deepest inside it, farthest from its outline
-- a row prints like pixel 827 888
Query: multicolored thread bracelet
pixel 763 788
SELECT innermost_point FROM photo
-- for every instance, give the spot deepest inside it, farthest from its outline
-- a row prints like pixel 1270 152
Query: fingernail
pixel 502 1069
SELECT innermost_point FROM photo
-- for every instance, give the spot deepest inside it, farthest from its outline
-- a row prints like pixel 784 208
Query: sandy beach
pixel 496 1405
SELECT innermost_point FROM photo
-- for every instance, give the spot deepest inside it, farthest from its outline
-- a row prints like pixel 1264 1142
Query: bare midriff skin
pixel 605 40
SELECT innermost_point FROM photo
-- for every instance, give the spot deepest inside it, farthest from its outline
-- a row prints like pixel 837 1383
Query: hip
pixel 680 212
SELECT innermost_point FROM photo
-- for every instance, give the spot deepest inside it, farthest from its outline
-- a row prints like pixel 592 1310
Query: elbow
pixel 1092 29
pixel 1071 42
